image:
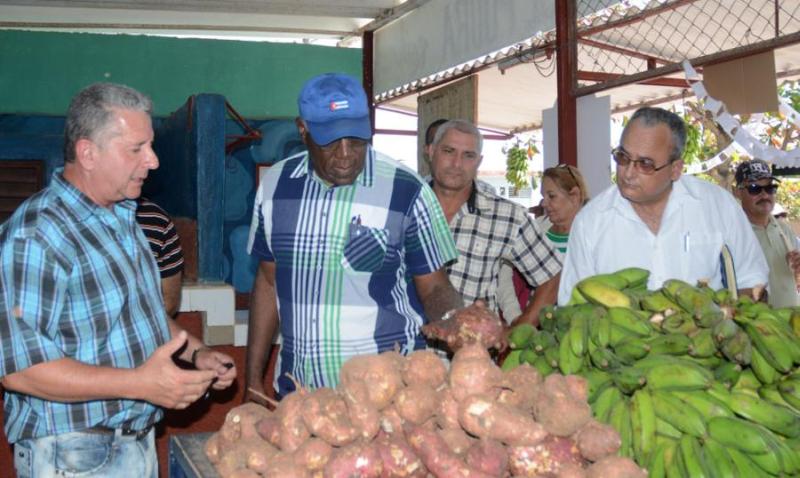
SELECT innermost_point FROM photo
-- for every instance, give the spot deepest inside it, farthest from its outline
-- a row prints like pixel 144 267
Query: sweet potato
pixel 471 351
pixel 474 376
pixel 257 452
pixel 240 422
pixel 212 448
pixel 269 429
pixel 416 403
pixel 231 460
pixel 293 431
pixel 615 467
pixel 546 457
pixel 520 387
pixel 399 459
pixel 424 367
pixel 325 415
pixel 488 456
pixel 597 440
pixel 364 417
pixel 483 417
pixel 457 440
pixel 283 465
pixel 313 454
pixel 556 409
pixel 379 372
pixel 358 459
pixel 390 421
pixel 578 387
pixel 472 325
pixel 447 410
pixel 243 473
pixel 571 470
pixel 436 456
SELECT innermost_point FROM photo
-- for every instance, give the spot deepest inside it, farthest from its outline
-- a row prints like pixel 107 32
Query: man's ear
pixel 85 153
pixel 676 169
pixel 302 129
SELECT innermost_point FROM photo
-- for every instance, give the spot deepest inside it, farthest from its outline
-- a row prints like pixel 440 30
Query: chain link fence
pixel 620 40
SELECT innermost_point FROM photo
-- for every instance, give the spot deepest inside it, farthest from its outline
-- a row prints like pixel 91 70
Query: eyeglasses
pixel 755 189
pixel 644 166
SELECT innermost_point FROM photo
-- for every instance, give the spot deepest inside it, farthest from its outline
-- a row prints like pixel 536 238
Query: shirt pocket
pixel 365 250
pixel 702 258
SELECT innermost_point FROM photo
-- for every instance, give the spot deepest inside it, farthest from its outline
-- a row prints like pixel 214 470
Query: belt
pixel 125 430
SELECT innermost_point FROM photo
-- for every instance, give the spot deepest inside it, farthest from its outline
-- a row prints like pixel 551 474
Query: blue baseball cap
pixel 334 106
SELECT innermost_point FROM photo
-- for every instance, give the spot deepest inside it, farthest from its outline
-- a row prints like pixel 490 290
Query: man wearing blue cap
pixel 352 248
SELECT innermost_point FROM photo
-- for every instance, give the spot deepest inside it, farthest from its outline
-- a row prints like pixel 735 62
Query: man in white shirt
pixel 658 219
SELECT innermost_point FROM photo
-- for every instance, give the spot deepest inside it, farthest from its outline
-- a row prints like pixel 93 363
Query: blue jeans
pixel 86 455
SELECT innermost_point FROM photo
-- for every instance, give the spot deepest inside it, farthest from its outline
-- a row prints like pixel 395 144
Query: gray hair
pixel 650 116
pixel 461 125
pixel 91 111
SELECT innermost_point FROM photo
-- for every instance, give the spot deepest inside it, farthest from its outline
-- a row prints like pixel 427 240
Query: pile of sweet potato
pixel 395 416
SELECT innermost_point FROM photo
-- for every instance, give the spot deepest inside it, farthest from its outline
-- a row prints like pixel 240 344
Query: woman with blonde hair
pixel 564 192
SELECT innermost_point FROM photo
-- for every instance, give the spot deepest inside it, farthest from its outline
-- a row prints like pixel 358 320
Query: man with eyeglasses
pixel 351 247
pixel 755 188
pixel 656 218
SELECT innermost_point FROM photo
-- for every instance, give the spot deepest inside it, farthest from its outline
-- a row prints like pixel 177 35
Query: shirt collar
pixel 472 203
pixel 365 178
pixel 81 205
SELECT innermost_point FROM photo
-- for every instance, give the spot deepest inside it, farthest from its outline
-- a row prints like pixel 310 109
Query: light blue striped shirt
pixel 79 281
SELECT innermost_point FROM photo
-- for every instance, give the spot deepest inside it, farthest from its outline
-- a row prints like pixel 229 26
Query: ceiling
pixel 512 94
pixel 311 21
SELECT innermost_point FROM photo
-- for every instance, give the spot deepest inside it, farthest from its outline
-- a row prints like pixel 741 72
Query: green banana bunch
pixel 765 372
pixel 595 380
pixel 620 419
pixel 579 334
pixel 528 356
pixel 742 464
pixel 738 349
pixel 666 429
pixel 634 276
pixel 670 344
pixel 740 434
pixel 705 403
pixel 771 343
pixel 678 414
pixel 542 341
pixel 774 417
pixel 615 281
pixel 747 383
pixel 671 287
pixel 512 360
pixel 520 336
pixel 718 459
pixel 724 330
pixel 723 297
pixel 680 323
pixel 628 379
pixel 605 402
pixel 679 376
pixel 601 293
pixel 603 358
pixel 643 423
pixel 702 343
pixel 628 320
pixel 547 318
pixel 771 394
pixel 576 298
pixel 631 349
pixel 699 305
pixel 600 331
pixel 658 302
pixel 568 362
pixel 543 366
pixel 657 465
pixel 789 389
pixel 693 458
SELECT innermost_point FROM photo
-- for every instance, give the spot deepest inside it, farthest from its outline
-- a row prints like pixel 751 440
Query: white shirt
pixel 700 217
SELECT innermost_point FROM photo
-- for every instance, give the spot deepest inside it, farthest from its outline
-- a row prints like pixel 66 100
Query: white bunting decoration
pixel 751 144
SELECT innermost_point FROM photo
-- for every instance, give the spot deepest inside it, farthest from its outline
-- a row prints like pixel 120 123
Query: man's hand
pixel 472 324
pixel 165 384
pixel 220 363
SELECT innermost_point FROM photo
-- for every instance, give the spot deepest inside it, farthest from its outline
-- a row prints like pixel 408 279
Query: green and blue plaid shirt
pixel 344 259
pixel 76 280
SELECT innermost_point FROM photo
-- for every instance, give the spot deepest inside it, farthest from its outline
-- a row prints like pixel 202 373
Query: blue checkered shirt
pixel 79 281
pixel 344 258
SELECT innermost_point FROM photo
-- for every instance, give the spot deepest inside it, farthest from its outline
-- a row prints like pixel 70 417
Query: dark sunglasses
pixel 644 166
pixel 569 170
pixel 755 189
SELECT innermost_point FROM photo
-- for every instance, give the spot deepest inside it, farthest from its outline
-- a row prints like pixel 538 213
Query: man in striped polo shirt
pixel 163 238
pixel 352 247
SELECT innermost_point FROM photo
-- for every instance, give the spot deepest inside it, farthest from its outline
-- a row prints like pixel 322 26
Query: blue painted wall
pixel 195 178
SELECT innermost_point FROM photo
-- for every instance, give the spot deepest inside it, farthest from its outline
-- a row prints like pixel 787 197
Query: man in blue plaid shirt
pixel 86 348
pixel 352 248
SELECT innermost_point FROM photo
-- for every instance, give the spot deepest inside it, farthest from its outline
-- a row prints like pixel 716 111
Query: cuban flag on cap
pixel 339 105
